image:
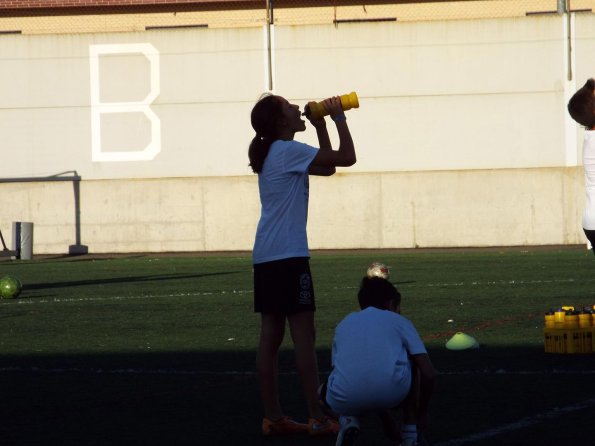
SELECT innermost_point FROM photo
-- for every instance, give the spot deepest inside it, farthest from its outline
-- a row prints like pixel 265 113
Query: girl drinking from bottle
pixel 283 289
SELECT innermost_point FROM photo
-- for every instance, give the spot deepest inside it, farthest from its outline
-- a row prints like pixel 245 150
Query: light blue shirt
pixel 371 368
pixel 589 166
pixel 284 192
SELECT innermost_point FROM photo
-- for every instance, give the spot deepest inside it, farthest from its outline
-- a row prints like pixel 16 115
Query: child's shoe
pixel 323 426
pixel 421 441
pixel 282 426
pixel 349 431
pixel 409 435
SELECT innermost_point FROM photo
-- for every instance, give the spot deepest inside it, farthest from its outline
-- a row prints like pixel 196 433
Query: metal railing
pixel 71 175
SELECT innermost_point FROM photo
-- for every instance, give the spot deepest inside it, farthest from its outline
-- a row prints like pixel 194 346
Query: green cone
pixel 462 341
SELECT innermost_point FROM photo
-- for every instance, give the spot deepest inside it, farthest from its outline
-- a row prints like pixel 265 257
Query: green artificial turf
pixel 154 349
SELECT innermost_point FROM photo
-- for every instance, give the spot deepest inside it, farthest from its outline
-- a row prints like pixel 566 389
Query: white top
pixel 371 369
pixel 284 192
pixel 589 165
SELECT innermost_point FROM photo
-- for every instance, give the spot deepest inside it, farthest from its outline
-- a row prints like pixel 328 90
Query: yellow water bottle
pixel 584 319
pixel 317 110
pixel 571 319
pixel 559 316
pixel 549 319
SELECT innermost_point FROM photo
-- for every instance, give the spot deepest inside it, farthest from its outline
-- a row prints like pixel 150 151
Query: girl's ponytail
pixel 264 118
pixel 258 151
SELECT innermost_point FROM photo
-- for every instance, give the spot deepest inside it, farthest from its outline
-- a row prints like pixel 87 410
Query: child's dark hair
pixel 582 105
pixel 264 118
pixel 377 292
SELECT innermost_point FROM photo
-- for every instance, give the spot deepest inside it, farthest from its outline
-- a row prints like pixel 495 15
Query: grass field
pixel 159 350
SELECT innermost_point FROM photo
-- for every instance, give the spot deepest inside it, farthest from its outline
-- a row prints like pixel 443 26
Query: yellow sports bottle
pixel 317 110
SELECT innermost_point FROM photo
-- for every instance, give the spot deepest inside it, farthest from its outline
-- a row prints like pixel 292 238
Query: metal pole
pixel 566 6
pixel 270 20
pixel 77 248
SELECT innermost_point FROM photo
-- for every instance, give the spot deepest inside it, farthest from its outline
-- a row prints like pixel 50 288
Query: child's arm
pixel 426 387
pixel 324 142
pixel 327 159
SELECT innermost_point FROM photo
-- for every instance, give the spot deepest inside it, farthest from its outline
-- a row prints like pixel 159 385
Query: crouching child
pixel 379 364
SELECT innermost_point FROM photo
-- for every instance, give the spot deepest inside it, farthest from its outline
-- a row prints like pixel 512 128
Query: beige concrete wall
pixel 349 211
pixel 479 94
pixel 462 134
pixel 204 84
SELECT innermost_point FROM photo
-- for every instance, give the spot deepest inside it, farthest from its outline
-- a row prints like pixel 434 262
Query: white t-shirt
pixel 284 192
pixel 371 368
pixel 589 165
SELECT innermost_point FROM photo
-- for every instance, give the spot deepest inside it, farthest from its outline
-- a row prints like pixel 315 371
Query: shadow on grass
pixel 191 398
pixel 119 280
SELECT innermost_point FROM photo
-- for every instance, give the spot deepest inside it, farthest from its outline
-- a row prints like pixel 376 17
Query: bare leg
pixel 410 406
pixel 303 334
pixel 271 335
pixel 390 426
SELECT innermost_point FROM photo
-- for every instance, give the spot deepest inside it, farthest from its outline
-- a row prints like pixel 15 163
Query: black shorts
pixel 283 286
pixel 591 237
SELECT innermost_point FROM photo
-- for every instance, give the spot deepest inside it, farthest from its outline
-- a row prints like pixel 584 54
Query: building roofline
pixel 25 8
pixel 28 5
pixel 60 4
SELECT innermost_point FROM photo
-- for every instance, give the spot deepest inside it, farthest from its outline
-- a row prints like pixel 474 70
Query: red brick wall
pixel 49 4
pixel 11 8
pixel 23 8
pixel 14 4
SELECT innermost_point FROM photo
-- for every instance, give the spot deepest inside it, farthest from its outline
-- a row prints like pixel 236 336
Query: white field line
pixel 521 424
pixel 215 293
pixel 112 298
pixel 505 282
pixel 483 283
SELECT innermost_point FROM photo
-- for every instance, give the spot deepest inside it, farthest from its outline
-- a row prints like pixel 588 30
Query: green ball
pixel 10 287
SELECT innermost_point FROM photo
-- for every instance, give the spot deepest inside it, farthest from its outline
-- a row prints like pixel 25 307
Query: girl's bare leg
pixel 303 333
pixel 271 335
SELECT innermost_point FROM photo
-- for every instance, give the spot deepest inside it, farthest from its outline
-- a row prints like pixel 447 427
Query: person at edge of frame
pixel 582 109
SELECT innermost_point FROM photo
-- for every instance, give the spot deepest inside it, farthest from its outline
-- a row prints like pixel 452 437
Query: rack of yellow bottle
pixel 570 331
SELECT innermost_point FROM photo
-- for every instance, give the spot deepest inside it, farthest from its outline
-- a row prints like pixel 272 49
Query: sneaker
pixel 349 431
pixel 421 440
pixel 282 426
pixel 323 426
